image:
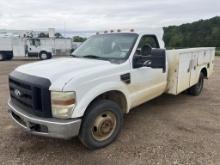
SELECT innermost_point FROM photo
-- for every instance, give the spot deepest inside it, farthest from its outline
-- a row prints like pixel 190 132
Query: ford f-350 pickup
pixel 86 95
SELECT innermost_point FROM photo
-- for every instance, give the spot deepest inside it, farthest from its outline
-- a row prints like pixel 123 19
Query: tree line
pixel 203 33
pixel 59 35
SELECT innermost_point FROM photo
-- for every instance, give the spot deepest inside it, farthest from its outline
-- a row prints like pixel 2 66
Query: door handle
pixel 147 63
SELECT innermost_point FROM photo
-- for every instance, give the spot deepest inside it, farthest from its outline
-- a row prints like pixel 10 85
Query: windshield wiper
pixel 90 56
pixel 73 55
pixel 94 57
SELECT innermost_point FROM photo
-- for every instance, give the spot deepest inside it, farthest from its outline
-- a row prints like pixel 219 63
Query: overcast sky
pixel 103 14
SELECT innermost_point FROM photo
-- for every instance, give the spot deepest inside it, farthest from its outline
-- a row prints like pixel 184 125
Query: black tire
pixel 2 57
pixel 44 55
pixel 49 55
pixel 9 56
pixel 87 132
pixel 197 89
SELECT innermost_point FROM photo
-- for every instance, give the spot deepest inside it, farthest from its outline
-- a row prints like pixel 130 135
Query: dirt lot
pixel 168 130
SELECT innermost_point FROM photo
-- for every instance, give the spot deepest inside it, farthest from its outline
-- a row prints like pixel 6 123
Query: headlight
pixel 63 104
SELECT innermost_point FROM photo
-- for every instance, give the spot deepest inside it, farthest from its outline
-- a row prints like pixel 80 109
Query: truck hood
pixel 60 71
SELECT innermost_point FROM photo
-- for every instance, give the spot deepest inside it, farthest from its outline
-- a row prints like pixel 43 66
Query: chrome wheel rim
pixel 1 57
pixel 104 126
pixel 44 56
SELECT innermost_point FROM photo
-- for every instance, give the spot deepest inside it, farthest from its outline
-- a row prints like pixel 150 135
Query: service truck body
pixel 63 97
pixel 185 66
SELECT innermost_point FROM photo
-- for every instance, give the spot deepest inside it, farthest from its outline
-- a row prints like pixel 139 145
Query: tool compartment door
pixel 184 72
pixel 194 76
pixel 211 62
pixel 18 47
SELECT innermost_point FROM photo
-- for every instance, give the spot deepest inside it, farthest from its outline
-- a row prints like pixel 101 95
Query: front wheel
pixel 197 89
pixel 101 125
pixel 45 55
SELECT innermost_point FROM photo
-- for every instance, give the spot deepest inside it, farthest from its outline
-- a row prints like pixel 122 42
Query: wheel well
pixel 115 96
pixel 204 71
pixel 43 52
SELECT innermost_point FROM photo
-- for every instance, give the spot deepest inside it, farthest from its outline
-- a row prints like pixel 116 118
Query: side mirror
pixel 156 60
pixel 146 50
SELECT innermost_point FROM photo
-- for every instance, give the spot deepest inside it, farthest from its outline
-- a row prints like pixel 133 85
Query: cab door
pixel 194 72
pixel 148 75
pixel 33 47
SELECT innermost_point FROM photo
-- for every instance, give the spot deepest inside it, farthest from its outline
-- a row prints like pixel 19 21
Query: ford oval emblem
pixel 17 93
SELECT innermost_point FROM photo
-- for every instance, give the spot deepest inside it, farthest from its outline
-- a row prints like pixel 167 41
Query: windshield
pixel 107 46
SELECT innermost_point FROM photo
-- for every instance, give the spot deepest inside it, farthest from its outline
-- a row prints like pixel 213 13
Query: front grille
pixel 30 93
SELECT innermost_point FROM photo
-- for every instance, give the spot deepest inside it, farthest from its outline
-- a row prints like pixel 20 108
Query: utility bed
pixel 185 66
pixel 6 44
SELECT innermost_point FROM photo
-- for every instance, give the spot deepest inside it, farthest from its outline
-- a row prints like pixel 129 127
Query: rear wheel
pixel 44 55
pixel 2 57
pixel 197 89
pixel 10 57
pixel 101 125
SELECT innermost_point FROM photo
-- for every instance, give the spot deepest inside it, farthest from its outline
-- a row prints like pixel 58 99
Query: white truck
pixel 43 48
pixel 86 95
pixel 6 49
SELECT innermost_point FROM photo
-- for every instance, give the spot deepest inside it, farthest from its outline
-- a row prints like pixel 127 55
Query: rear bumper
pixel 50 127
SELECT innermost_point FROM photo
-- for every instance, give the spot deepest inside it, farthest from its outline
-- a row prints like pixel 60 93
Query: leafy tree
pixel 43 35
pixel 79 39
pixel 58 35
pixel 28 35
pixel 203 33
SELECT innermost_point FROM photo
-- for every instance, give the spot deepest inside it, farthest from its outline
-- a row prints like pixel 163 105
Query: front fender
pixel 85 98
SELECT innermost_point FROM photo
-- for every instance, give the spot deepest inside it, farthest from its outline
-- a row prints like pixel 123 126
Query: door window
pixel 148 40
pixel 35 42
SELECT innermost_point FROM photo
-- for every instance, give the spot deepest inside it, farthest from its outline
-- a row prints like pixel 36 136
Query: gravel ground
pixel 168 130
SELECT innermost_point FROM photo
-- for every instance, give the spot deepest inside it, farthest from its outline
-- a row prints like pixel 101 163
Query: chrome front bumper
pixel 58 128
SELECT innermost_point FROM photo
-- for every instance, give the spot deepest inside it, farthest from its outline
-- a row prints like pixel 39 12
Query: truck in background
pixel 43 48
pixel 109 74
pixel 6 49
